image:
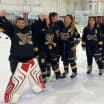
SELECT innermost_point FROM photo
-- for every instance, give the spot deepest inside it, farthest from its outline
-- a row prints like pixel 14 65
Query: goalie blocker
pixel 28 70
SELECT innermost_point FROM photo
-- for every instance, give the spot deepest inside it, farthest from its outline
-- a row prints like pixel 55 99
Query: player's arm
pixel 84 38
pixel 35 32
pixel 100 42
pixel 5 25
pixel 36 27
pixel 77 37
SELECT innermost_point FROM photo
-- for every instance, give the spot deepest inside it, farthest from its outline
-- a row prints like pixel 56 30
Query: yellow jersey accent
pixel 35 49
pixel 83 43
pixel 100 43
pixel 89 66
pixel 79 39
pixel 48 64
pixel 43 73
pixel 57 70
pixel 1 30
pixel 66 66
pixel 54 44
pixel 74 67
pixel 102 61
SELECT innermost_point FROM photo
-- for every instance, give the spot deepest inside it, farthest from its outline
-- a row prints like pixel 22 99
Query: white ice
pixel 84 89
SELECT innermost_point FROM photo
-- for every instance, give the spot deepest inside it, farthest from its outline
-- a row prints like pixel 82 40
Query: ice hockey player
pixel 22 62
pixel 92 43
pixel 47 44
pixel 39 24
pixel 56 24
pixel 69 39
pixel 101 26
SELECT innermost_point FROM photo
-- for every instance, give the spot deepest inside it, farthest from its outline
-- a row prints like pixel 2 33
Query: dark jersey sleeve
pixel 6 26
pixel 84 37
pixel 99 37
pixel 36 31
pixel 101 27
pixel 77 36
pixel 55 39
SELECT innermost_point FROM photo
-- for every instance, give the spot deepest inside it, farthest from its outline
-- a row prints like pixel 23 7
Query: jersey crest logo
pixel 43 29
pixel 25 38
pixel 65 36
pixel 49 38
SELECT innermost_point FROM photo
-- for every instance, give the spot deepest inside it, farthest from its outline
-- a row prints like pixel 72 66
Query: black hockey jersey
pixel 91 36
pixel 46 37
pixel 101 26
pixel 57 27
pixel 68 39
pixel 22 44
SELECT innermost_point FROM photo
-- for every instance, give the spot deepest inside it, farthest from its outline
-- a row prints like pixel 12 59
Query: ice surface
pixel 84 89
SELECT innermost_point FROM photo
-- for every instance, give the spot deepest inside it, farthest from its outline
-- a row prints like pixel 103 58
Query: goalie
pixel 22 62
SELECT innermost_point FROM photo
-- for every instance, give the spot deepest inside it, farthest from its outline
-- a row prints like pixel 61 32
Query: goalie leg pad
pixel 35 78
pixel 23 71
pixel 16 83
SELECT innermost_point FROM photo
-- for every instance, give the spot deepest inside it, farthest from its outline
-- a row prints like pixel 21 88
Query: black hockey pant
pixel 92 51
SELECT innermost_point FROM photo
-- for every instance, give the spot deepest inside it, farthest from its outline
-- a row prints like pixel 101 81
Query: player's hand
pixel 84 48
pixel 2 13
pixel 100 49
pixel 50 47
pixel 37 57
pixel 74 48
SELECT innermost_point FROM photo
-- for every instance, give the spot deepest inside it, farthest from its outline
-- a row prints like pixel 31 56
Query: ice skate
pixel 89 71
pixel 73 75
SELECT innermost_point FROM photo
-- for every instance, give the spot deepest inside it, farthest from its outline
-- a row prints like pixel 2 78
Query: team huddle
pixel 37 48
